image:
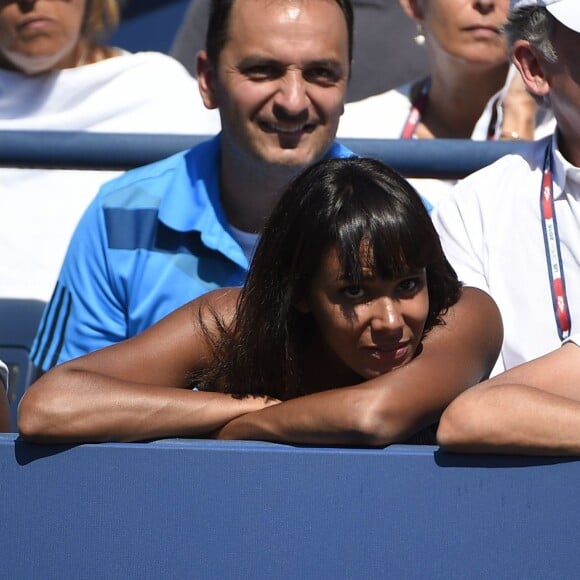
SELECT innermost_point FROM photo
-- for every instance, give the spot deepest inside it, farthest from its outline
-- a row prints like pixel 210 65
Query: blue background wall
pixel 149 24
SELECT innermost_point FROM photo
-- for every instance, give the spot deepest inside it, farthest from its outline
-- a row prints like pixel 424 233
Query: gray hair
pixel 534 25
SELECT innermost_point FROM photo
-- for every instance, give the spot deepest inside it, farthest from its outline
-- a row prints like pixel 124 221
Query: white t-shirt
pixel 145 92
pixel 247 240
pixel 491 231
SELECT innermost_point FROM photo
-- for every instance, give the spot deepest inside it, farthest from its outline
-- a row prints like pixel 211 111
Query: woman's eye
pixel 410 285
pixel 353 292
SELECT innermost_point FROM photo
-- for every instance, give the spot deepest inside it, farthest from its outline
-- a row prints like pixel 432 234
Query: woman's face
pixel 40 36
pixel 466 30
pixel 369 328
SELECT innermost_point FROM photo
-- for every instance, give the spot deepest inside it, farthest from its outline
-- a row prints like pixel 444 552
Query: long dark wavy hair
pixel 340 203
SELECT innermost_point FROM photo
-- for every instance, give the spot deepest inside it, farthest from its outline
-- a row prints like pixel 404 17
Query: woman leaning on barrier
pixel 352 329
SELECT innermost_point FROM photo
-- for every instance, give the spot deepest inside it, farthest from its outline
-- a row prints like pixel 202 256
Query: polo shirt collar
pixel 195 185
pixel 192 203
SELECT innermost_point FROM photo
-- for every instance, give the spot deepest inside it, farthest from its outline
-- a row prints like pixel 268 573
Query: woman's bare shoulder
pixel 203 318
pixel 221 304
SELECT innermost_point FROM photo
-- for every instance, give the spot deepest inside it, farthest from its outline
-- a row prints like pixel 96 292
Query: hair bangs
pixel 381 231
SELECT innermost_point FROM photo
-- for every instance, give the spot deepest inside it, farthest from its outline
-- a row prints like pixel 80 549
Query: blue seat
pixel 19 319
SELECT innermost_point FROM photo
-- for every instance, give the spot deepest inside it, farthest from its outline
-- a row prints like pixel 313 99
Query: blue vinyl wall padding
pixel 443 158
pixel 224 510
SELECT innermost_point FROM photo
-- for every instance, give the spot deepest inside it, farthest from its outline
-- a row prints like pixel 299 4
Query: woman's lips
pixel 394 351
pixel 483 30
pixel 34 22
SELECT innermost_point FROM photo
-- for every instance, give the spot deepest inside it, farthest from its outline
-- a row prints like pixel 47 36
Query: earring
pixel 419 37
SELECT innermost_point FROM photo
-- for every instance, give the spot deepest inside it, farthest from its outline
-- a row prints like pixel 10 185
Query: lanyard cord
pixel 552 247
pixel 419 105
pixel 417 109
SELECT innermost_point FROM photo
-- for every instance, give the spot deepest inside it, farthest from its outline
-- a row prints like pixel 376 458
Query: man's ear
pixel 412 9
pixel 206 78
pixel 532 68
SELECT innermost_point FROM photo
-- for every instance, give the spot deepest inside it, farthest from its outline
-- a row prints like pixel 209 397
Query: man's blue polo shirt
pixel 153 239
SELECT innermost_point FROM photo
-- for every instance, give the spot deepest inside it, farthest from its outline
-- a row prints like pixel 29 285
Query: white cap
pixel 565 11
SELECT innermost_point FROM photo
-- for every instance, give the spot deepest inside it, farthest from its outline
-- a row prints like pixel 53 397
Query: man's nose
pixel 292 97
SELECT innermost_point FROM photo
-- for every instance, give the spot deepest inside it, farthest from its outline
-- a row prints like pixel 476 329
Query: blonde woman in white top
pixel 465 95
pixel 470 93
pixel 58 74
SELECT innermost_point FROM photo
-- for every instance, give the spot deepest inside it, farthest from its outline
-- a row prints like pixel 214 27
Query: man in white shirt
pixel 511 229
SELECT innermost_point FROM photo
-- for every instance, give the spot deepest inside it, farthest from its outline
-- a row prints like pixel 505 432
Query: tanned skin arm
pixel 394 406
pixel 4 412
pixel 135 390
pixel 530 409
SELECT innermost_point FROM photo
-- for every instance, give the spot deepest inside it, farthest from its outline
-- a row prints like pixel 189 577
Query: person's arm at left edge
pixel 4 414
pixel 4 406
pixel 394 406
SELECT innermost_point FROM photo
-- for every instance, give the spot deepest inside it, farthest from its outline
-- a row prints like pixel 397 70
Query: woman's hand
pixel 519 112
pixel 230 429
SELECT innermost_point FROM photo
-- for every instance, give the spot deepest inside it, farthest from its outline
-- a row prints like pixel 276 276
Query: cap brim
pixel 566 12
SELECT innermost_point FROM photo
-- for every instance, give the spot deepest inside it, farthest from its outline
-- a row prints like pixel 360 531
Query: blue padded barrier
pixel 234 510
pixel 442 158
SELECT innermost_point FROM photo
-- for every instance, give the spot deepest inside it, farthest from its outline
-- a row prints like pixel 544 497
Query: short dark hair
pixel 219 20
pixel 534 24
pixel 340 203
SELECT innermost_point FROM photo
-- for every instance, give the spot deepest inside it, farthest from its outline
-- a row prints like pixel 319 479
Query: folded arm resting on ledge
pixel 136 390
pixel 531 409
pixel 396 405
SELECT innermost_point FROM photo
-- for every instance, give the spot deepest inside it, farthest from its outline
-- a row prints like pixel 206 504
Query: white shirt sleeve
pixel 459 223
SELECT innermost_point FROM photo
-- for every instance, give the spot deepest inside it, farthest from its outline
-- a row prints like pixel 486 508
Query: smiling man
pixel 168 232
